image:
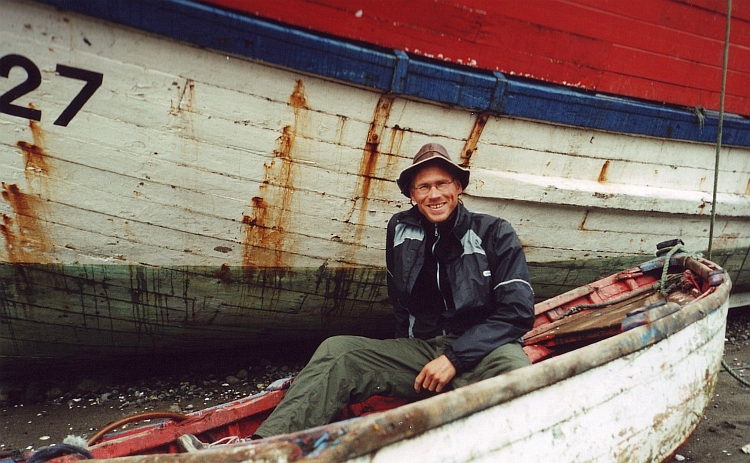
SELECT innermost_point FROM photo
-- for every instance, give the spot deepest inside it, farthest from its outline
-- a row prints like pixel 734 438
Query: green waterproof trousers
pixel 349 369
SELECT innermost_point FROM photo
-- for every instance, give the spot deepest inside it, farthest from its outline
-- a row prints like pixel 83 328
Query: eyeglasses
pixel 441 186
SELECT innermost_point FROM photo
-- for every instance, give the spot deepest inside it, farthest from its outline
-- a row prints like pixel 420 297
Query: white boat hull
pixel 637 408
pixel 200 199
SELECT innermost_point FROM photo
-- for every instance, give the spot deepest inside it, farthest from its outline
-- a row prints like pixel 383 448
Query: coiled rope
pixel 665 269
pixel 735 375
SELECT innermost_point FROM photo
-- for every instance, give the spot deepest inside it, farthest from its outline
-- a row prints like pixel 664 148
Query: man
pixel 462 300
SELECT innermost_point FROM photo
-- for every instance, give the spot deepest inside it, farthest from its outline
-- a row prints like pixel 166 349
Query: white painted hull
pixel 200 199
pixel 636 408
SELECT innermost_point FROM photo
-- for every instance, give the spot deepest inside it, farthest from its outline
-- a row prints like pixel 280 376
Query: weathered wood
pixel 241 188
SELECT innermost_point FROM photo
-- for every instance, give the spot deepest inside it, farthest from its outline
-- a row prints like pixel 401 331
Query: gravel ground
pixel 725 428
pixel 35 413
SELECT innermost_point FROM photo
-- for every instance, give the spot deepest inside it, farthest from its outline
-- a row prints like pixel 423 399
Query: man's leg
pixel 348 369
pixel 501 360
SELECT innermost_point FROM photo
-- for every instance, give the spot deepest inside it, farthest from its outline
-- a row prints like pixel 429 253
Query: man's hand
pixel 435 375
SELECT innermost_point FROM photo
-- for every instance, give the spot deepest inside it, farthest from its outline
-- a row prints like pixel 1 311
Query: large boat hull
pixel 204 199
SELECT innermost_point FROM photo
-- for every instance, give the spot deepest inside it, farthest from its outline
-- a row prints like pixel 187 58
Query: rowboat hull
pixel 203 197
pixel 633 396
pixel 595 405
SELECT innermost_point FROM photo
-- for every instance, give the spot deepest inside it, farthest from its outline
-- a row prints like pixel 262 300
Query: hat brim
pixel 404 180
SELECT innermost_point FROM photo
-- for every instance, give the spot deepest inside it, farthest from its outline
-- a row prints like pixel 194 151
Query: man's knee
pixel 336 346
pixel 506 358
pixel 501 360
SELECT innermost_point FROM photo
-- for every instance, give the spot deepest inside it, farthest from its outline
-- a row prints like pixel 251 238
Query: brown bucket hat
pixel 431 152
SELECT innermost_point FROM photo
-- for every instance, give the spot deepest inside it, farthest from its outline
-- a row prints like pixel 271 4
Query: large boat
pixel 622 370
pixel 178 176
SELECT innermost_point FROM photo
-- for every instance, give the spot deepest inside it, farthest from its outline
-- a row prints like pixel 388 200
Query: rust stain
pixel 36 132
pixel 397 138
pixel 27 242
pixel 9 236
pixel 747 189
pixel 297 99
pixel 263 230
pixel 35 158
pixel 264 240
pixel 369 161
pixel 702 207
pixel 223 274
pixel 394 147
pixel 603 174
pixel 471 143
pixel 583 222
pixel 186 100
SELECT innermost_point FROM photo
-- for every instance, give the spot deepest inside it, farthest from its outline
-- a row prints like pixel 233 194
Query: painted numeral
pixel 32 82
pixel 93 82
pixel 34 79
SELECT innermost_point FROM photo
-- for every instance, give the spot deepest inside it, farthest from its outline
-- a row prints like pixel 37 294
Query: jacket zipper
pixel 442 296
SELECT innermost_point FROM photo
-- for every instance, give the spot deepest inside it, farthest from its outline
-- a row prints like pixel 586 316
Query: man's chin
pixel 437 218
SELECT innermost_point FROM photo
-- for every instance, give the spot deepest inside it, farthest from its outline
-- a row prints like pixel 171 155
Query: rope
pixel 665 269
pixel 130 419
pixel 57 450
pixel 734 375
pixel 660 286
pixel 721 124
pixel 227 441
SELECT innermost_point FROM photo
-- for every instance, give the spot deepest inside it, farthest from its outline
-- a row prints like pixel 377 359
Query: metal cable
pixel 721 124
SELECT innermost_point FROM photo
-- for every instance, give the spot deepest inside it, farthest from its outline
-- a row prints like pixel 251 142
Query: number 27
pixel 34 79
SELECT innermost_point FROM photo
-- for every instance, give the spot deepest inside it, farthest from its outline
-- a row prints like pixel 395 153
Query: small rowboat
pixel 622 371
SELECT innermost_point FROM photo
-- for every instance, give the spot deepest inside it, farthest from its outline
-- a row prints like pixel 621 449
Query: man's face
pixel 435 192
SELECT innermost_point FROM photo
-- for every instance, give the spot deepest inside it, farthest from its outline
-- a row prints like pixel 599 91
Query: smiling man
pixel 462 301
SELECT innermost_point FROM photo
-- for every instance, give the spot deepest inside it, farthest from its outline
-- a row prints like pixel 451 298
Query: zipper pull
pixel 436 230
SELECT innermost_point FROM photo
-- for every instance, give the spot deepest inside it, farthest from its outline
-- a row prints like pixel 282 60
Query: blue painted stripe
pixel 397 72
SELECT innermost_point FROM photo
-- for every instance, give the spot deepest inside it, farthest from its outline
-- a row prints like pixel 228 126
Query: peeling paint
pixel 186 100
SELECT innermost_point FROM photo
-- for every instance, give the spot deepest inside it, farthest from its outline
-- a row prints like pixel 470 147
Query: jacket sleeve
pixel 513 312
pixel 401 315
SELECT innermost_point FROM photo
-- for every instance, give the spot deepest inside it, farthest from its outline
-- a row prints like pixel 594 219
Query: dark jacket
pixel 481 277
